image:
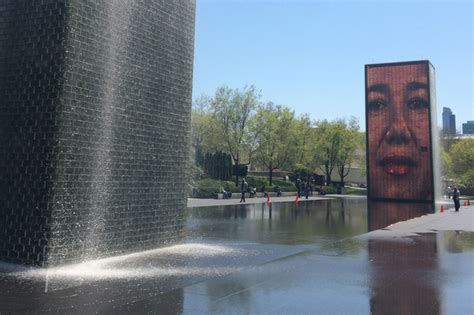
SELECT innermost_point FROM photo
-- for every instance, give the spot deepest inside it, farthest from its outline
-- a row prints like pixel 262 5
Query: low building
pixel 468 128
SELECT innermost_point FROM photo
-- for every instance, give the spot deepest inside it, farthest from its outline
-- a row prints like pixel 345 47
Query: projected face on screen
pixel 398 131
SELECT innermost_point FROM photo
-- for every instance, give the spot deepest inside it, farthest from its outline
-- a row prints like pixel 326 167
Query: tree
pixel 462 156
pixel 227 129
pixel 446 164
pixel 349 141
pixel 201 131
pixel 462 161
pixel 273 127
pixel 218 165
pixel 325 148
pixel 333 146
pixel 303 132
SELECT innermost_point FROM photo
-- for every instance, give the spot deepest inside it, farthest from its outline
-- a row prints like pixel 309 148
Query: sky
pixel 309 55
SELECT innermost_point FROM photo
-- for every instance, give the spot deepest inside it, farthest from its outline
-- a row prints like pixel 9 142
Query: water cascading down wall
pixel 95 101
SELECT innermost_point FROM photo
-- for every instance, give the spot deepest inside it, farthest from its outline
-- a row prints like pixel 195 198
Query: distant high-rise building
pixel 449 121
pixel 468 128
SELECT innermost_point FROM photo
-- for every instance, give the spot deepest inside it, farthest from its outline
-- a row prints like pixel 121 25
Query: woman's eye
pixel 417 103
pixel 376 105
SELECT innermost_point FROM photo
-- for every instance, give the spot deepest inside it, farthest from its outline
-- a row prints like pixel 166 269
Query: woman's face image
pixel 398 118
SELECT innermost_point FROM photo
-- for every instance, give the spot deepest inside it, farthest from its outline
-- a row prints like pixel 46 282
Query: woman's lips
pixel 397 165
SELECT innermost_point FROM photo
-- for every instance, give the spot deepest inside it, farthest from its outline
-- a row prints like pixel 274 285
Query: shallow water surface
pixel 283 223
pixel 245 259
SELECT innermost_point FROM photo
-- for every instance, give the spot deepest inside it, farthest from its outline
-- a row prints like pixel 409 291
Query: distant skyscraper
pixel 468 128
pixel 449 121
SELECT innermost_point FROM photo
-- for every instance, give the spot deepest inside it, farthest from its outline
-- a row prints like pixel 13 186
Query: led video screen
pixel 398 126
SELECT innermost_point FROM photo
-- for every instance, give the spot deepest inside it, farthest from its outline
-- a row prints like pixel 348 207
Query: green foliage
pixel 218 165
pixel 462 156
pixel 273 131
pixel 333 146
pixel 467 179
pixel 240 170
pixel 196 172
pixel 227 125
pixel 257 182
pixel 457 161
pixel 231 111
pixel 235 122
pixel 289 186
pixel 446 164
pixel 456 241
pixel 353 191
pixel 301 170
pixel 206 188
pixel 203 137
pixel 303 132
pixel 330 189
pixel 209 188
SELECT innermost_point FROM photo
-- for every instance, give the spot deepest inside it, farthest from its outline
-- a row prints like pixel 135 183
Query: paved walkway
pixel 449 220
pixel 195 202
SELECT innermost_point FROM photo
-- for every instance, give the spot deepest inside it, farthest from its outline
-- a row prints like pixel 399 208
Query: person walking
pixel 456 194
pixel 306 190
pixel 243 189
pixel 298 185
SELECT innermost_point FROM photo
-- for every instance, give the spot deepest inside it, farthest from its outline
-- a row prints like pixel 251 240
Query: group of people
pixel 244 188
pixel 304 187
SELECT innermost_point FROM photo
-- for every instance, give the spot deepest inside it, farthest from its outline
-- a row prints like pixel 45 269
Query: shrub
pixel 257 182
pixel 207 188
pixel 218 165
pixel 467 179
pixel 352 191
pixel 330 189
pixel 284 185
pixel 301 171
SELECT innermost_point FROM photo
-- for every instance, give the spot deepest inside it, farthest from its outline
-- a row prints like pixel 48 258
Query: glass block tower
pixel 94 125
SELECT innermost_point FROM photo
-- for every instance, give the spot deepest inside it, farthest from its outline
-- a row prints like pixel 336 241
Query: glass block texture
pixel 399 131
pixel 94 126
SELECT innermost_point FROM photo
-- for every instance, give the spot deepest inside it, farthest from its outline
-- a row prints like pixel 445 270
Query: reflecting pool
pixel 257 259
pixel 280 223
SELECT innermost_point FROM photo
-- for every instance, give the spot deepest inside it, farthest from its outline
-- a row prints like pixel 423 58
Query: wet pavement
pixel 316 258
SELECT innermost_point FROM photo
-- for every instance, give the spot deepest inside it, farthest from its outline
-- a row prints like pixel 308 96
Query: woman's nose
pixel 398 132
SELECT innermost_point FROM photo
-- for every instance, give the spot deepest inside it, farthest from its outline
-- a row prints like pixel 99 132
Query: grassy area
pixel 355 191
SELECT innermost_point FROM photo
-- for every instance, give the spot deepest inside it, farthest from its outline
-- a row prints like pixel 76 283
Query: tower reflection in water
pixel 403 270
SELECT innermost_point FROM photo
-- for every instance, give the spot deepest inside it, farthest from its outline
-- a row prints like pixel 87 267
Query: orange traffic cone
pixel 442 209
pixel 465 203
pixel 296 201
pixel 268 199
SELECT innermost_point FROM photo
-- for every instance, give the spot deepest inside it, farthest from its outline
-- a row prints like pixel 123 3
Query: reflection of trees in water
pixel 288 224
pixel 458 241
